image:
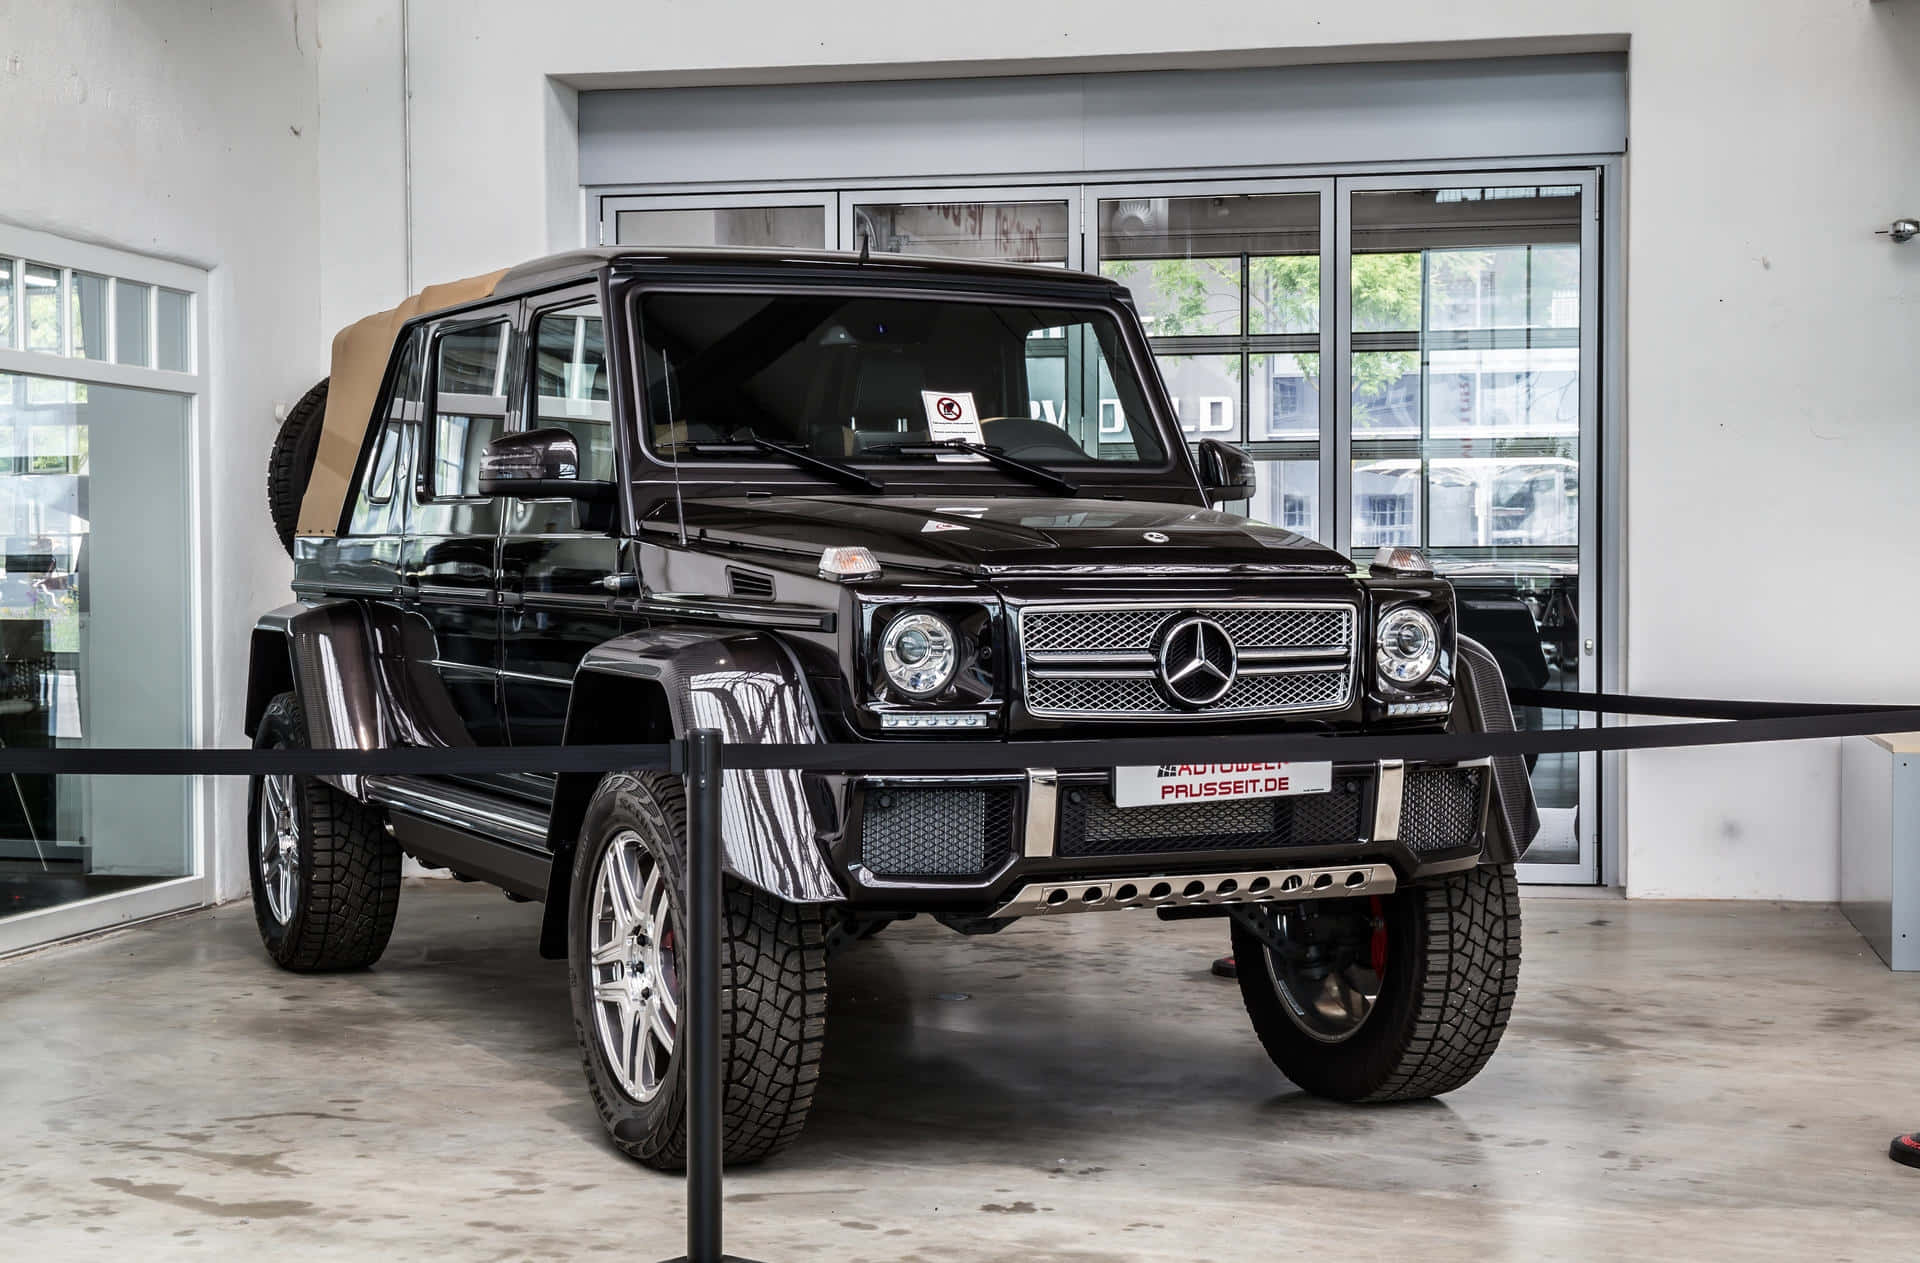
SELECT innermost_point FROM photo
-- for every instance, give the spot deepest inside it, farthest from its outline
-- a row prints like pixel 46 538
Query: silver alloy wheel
pixel 1327 1004
pixel 636 976
pixel 280 847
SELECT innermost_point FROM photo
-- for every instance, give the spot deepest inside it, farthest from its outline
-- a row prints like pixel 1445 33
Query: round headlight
pixel 918 653
pixel 1407 646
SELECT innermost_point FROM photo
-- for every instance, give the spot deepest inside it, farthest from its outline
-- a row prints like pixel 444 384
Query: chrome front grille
pixel 1099 661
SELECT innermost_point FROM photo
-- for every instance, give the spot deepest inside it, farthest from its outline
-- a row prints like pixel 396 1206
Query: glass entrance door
pixel 1231 284
pixel 1469 374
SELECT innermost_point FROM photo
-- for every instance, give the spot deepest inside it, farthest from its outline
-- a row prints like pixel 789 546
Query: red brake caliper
pixel 1378 946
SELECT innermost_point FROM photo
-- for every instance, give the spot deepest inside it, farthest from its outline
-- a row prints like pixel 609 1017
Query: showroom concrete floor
pixel 1680 1080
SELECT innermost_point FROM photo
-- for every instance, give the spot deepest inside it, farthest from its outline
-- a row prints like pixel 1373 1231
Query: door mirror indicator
pixel 1226 472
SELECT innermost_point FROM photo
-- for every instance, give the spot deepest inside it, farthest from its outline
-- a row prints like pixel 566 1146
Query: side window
pixel 470 405
pixel 570 386
pixel 376 511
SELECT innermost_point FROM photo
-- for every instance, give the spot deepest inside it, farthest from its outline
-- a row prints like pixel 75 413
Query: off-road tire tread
pixel 352 895
pixel 1472 961
pixel 290 461
pixel 1467 951
pixel 773 962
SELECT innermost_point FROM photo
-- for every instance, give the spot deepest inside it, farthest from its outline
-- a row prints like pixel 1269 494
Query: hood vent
pixel 749 584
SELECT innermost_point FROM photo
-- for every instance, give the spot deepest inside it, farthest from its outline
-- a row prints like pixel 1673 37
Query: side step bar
pixel 473 833
pixel 1269 885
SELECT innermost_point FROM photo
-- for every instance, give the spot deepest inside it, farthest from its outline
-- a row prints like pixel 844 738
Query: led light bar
pixel 935 719
pixel 1418 708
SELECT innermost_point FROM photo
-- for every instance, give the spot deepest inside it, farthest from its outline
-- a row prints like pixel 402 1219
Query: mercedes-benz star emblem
pixel 1154 537
pixel 1198 663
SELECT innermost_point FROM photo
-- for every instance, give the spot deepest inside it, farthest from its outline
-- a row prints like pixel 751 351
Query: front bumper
pixel 994 845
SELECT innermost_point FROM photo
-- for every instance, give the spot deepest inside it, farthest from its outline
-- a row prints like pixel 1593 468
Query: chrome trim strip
pixel 1390 782
pixel 1294 654
pixel 526 677
pixel 1259 885
pixel 721 609
pixel 1043 805
pixel 1295 668
pixel 1049 672
pixel 458 809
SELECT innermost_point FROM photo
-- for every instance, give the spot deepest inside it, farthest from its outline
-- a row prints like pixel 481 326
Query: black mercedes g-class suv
pixel 612 497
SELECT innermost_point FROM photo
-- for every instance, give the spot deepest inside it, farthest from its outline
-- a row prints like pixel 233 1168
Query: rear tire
pixel 1451 957
pixel 325 875
pixel 773 958
pixel 290 462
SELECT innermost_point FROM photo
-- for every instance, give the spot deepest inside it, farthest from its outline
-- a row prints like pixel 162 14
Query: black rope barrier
pixel 701 758
pixel 1738 723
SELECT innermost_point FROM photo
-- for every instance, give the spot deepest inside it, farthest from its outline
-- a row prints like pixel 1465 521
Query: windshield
pixel 844 377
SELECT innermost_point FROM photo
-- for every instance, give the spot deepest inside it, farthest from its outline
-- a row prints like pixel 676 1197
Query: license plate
pixel 1216 782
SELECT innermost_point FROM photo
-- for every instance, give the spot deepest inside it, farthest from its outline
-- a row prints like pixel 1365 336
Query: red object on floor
pixel 1225 968
pixel 1906 1149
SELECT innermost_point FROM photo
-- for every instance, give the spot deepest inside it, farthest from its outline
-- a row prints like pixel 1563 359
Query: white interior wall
pixel 186 129
pixel 1769 442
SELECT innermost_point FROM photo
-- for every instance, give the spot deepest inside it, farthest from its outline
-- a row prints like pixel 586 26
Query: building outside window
pixel 99 387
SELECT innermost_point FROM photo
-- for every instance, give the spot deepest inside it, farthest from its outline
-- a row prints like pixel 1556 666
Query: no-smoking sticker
pixel 951 415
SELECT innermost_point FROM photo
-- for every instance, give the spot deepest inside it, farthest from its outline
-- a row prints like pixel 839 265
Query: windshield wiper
pixel 798 457
pixel 1038 475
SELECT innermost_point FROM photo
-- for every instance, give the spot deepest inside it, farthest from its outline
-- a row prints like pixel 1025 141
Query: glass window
pixel 1284 399
pixel 1228 287
pixel 1466 426
pixel 46 329
pixel 1288 494
pixel 174 327
pixel 852 375
pixel 471 361
pixel 1206 394
pixel 470 405
pixel 95 634
pixel 6 303
pixel 783 227
pixel 89 316
pixel 1019 232
pixel 570 385
pixel 132 323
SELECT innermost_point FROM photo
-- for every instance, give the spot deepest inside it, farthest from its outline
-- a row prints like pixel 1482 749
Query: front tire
pixel 626 959
pixel 1389 999
pixel 325 875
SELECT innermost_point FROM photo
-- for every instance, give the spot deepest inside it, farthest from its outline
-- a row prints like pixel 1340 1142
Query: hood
pixel 1001 536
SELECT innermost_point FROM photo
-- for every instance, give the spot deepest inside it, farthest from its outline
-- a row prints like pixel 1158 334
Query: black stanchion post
pixel 700 1005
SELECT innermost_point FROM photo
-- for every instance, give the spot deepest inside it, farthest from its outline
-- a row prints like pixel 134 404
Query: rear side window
pixel 570 387
pixel 376 510
pixel 470 405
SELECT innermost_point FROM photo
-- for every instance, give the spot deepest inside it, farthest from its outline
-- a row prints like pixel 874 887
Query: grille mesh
pixel 1043 631
pixel 1090 824
pixel 1125 695
pixel 936 832
pixel 1440 808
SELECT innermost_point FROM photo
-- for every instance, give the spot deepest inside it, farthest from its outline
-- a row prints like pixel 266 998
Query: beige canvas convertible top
pixel 360 354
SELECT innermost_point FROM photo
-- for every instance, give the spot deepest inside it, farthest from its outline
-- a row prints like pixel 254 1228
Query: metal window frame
pixel 1242 343
pixel 30 930
pixel 1066 192
pixel 603 208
